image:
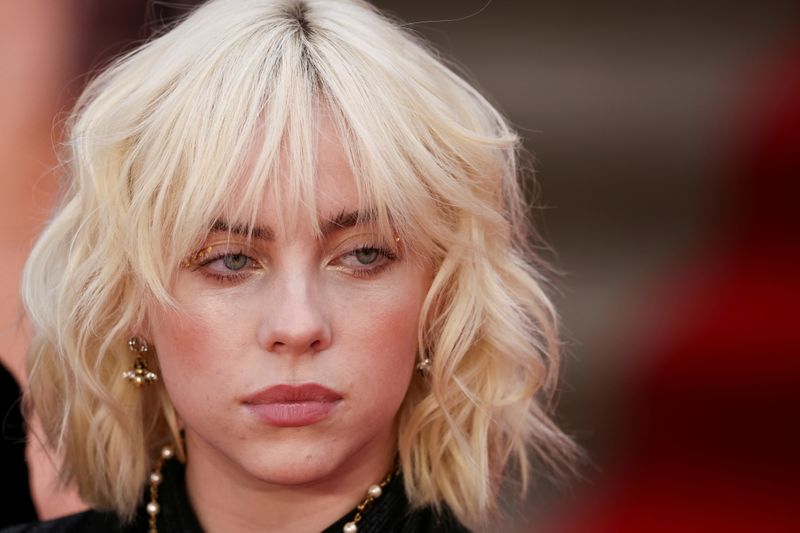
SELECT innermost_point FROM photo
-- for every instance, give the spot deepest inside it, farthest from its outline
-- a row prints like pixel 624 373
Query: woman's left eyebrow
pixel 346 219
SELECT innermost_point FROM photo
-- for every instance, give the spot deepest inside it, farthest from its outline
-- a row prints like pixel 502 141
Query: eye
pixel 222 264
pixel 235 261
pixel 229 265
pixel 366 256
pixel 365 261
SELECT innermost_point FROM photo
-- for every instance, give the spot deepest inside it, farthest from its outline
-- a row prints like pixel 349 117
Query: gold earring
pixel 424 367
pixel 140 375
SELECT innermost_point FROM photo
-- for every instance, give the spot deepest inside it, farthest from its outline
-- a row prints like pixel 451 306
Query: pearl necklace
pixel 373 493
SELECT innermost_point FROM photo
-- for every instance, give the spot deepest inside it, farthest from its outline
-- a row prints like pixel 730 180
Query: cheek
pixel 397 328
pixel 381 334
pixel 192 348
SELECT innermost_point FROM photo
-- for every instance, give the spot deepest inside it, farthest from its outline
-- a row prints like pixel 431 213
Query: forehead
pixel 307 186
pixel 332 179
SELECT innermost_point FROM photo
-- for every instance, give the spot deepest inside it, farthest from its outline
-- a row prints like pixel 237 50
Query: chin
pixel 298 468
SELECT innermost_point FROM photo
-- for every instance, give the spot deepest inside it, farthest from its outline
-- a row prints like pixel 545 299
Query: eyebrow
pixel 343 220
pixel 258 232
pixel 346 219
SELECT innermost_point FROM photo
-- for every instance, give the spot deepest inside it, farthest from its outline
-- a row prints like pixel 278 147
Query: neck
pixel 225 497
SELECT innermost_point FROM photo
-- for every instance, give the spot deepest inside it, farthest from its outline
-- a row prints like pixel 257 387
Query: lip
pixel 293 405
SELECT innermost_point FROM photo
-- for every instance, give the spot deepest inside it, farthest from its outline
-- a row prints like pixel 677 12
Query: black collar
pixel 384 514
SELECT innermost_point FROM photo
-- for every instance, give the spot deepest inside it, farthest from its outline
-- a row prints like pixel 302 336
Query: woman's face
pixel 262 326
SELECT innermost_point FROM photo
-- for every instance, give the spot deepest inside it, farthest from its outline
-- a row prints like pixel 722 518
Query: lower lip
pixel 293 414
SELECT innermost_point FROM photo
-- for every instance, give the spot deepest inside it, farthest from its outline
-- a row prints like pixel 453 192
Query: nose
pixel 294 321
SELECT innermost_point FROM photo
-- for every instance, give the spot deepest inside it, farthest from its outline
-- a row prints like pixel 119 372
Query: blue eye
pixel 227 266
pixel 366 261
pixel 234 261
pixel 366 256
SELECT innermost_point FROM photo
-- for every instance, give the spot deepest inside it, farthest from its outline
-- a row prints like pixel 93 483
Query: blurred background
pixel 666 138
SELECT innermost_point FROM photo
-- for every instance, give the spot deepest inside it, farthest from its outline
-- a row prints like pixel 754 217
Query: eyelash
pixel 371 271
pixel 233 276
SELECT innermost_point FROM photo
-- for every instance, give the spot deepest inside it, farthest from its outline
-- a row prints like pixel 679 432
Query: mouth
pixel 293 405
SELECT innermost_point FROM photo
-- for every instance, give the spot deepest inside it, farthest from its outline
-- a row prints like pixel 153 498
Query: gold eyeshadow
pixel 199 256
pixel 367 239
pixel 196 257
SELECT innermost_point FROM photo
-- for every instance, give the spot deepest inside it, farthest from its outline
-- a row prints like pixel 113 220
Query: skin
pixel 301 310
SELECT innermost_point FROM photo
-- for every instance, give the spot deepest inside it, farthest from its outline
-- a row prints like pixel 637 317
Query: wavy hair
pixel 156 146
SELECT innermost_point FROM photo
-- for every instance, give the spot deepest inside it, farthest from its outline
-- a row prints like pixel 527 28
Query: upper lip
pixel 308 392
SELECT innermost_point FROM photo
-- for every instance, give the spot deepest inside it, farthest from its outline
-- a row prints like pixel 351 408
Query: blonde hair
pixel 156 145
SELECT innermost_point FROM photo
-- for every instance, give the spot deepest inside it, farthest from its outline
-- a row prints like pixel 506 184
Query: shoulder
pixel 84 522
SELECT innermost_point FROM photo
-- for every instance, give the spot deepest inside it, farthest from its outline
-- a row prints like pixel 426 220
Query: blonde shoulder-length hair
pixel 156 147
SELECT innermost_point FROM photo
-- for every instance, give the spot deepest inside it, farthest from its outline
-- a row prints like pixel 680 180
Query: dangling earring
pixel 424 367
pixel 140 375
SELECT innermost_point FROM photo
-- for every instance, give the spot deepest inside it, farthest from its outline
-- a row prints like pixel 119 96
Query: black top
pixel 16 505
pixel 388 514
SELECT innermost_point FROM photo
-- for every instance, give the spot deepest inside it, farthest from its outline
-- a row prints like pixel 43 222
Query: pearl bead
pixel 166 452
pixel 139 381
pixel 350 527
pixel 375 491
pixel 153 508
pixel 156 478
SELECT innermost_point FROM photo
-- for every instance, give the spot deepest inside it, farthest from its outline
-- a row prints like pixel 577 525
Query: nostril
pixel 296 339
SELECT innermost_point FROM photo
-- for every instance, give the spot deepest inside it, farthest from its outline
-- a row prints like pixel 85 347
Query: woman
pixel 289 286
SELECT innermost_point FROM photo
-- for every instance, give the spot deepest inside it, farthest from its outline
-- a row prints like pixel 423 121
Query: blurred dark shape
pixel 767 186
pixel 113 28
pixel 17 505
pixel 713 441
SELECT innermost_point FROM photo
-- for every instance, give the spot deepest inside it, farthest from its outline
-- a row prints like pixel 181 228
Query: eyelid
pixel 387 256
pixel 200 257
pixel 361 239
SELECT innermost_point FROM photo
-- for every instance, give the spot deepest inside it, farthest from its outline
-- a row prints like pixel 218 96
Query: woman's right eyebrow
pixel 257 232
